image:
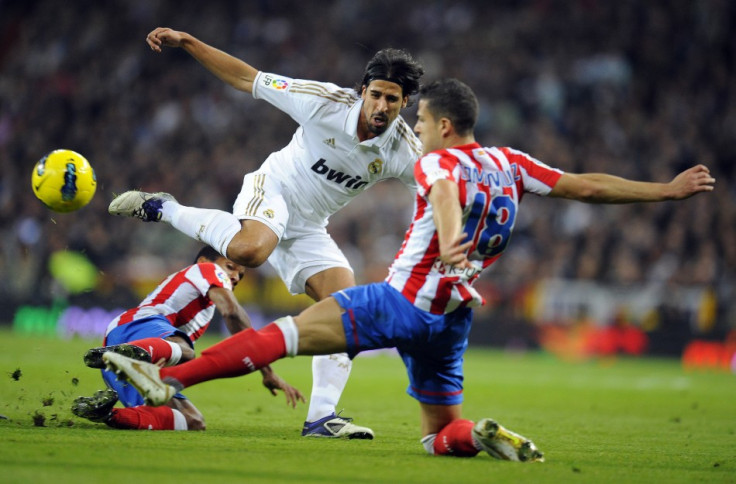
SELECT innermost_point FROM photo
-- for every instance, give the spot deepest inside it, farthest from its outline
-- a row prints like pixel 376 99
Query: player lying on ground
pixel 347 141
pixel 163 328
pixel 466 206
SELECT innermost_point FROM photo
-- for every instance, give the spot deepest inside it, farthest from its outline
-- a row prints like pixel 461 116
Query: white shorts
pixel 304 249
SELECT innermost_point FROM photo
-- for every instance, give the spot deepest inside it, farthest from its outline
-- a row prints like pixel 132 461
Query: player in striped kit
pixel 163 328
pixel 466 205
pixel 346 142
pixel 465 209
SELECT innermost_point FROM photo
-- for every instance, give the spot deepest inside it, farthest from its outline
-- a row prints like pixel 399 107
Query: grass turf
pixel 601 421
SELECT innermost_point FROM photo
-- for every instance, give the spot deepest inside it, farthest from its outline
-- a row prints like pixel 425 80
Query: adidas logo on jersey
pixel 354 182
pixel 329 142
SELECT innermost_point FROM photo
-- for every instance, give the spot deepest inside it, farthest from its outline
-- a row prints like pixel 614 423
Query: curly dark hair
pixel 394 65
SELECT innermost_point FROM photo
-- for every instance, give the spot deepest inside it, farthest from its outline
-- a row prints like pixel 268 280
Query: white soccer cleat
pixel 335 426
pixel 142 205
pixel 143 376
pixel 504 444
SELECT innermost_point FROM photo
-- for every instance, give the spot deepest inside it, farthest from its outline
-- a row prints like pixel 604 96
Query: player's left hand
pixel 163 36
pixel 274 382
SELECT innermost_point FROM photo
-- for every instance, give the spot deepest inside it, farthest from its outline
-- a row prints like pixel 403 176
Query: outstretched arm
pixel 236 319
pixel 226 67
pixel 602 188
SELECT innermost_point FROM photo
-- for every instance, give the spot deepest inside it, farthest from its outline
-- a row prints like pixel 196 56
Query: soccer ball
pixel 64 181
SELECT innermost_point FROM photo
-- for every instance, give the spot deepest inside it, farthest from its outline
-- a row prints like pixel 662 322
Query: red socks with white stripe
pixel 456 439
pixel 160 348
pixel 240 354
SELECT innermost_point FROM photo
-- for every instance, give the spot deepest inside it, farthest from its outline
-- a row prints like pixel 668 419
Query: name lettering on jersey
pixel 448 270
pixel 494 178
pixel 515 169
pixel 329 142
pixel 354 182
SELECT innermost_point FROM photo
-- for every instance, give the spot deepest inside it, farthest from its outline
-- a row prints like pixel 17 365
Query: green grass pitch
pixel 616 421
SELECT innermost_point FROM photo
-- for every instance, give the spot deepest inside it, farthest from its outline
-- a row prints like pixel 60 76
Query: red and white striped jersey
pixel 492 182
pixel 182 299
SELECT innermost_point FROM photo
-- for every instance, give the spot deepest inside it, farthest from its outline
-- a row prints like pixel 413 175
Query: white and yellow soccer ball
pixel 64 181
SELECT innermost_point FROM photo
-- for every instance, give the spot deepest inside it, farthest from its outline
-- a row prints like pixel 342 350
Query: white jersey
pixel 325 165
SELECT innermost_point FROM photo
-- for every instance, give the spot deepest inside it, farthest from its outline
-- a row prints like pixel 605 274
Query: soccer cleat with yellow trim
pixel 143 376
pixel 143 205
pixel 504 444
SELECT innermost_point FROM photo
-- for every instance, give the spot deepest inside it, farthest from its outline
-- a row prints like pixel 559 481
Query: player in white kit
pixel 346 142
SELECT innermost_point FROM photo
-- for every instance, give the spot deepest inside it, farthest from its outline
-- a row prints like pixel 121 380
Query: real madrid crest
pixel 375 166
pixel 268 213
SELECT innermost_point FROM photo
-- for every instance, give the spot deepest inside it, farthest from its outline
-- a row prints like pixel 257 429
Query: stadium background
pixel 637 89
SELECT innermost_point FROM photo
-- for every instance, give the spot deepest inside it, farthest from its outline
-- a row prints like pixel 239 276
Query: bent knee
pixel 248 253
pixel 253 245
pixel 187 353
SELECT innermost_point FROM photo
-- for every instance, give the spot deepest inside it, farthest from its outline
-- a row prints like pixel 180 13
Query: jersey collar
pixel 351 128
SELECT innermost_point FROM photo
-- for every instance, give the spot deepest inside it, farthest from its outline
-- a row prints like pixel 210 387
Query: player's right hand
pixel 454 254
pixel 163 36
pixel 274 382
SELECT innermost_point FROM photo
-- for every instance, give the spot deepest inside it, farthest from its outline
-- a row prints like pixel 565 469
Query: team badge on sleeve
pixel 276 83
pixel 437 174
pixel 224 278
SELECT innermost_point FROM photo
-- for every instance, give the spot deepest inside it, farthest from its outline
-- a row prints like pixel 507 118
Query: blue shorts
pixel 431 345
pixel 151 327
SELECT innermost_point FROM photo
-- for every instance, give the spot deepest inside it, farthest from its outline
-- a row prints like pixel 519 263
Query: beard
pixel 380 128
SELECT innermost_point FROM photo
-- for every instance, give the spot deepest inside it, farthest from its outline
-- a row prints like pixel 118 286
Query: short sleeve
pixel 438 165
pixel 206 275
pixel 534 175
pixel 300 99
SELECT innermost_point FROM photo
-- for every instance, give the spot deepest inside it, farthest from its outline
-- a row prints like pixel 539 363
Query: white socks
pixel 213 227
pixel 329 376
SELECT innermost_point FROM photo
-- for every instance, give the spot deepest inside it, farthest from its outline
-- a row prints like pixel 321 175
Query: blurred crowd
pixel 640 89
